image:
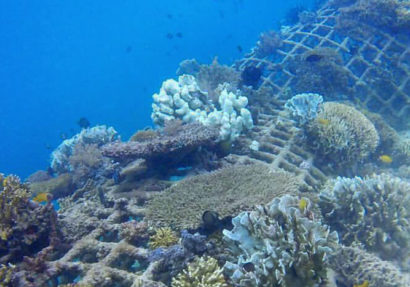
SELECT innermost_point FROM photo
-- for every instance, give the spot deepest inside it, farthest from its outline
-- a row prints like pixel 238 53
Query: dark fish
pixel 239 48
pixel 251 75
pixel 47 146
pixel 179 35
pixel 170 36
pixel 83 123
pixel 248 267
pixel 170 16
pixel 210 219
pixel 313 58
pixel 128 49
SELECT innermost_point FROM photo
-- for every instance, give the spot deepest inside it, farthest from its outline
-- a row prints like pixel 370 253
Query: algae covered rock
pixel 226 192
pixel 342 135
pixel 279 245
pixel 373 211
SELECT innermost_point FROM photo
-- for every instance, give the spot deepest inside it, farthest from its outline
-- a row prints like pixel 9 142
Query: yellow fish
pixel 386 158
pixel 322 121
pixel 364 284
pixel 41 197
pixel 303 203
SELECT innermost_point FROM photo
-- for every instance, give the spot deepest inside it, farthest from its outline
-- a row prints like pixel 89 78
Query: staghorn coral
pixel 278 245
pixel 202 272
pixel 189 138
pixel 226 191
pixel 163 237
pixel 342 135
pixel 354 266
pixel 373 211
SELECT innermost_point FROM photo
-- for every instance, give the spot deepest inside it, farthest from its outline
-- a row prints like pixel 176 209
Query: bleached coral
pixel 281 242
pixel 184 100
pixel 203 272
pixel 373 211
pixel 98 135
pixel 304 107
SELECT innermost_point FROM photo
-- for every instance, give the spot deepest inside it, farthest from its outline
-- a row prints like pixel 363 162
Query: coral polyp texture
pixel 279 244
pixel 184 100
pixel 355 266
pixel 226 191
pixel 202 272
pixel 342 135
pixel 163 237
pixel 373 212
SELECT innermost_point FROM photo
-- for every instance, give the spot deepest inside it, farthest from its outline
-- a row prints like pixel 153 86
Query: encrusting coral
pixel 163 237
pixel 342 135
pixel 279 244
pixel 226 192
pixel 202 272
pixel 373 211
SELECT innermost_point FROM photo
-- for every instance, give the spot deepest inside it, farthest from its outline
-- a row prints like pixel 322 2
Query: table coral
pixel 373 211
pixel 202 272
pixel 226 192
pixel 278 245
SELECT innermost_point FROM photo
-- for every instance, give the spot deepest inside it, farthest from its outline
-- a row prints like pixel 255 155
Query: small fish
pixel 386 159
pixel 63 136
pixel 248 267
pixel 179 35
pixel 169 36
pixel 322 121
pixel 239 48
pixel 41 197
pixel 303 203
pixel 128 49
pixel 364 284
pixel 83 122
pixel 170 16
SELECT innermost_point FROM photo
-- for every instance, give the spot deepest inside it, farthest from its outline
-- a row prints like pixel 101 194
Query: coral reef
pixel 355 266
pixel 267 44
pixel 226 191
pixel 278 245
pixel 304 107
pixel 163 237
pixel 98 135
pixel 373 211
pixel 59 186
pixel 6 274
pixel 25 226
pixel 342 135
pixel 184 100
pixel 321 71
pixel 202 272
pixel 188 139
pixel 357 19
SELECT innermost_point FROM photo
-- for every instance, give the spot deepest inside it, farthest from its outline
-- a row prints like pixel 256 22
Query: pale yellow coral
pixel 163 237
pixel 203 272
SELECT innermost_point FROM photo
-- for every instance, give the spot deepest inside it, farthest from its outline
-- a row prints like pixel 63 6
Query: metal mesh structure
pixel 376 67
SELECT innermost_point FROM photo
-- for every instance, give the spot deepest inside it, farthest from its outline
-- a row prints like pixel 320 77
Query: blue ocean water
pixel 62 60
